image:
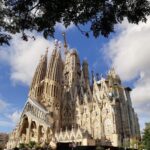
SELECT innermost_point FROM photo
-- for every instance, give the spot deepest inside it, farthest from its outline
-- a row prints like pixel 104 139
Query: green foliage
pixel 99 148
pixel 146 137
pixel 21 145
pixel 100 16
pixel 37 146
pixel 32 144
pixel 140 146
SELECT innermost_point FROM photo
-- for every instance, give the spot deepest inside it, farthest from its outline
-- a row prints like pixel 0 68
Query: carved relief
pixel 108 126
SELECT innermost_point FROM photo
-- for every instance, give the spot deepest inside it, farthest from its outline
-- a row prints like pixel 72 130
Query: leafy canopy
pixel 42 15
pixel 146 136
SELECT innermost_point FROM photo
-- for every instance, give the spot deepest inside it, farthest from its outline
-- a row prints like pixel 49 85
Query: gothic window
pixel 108 127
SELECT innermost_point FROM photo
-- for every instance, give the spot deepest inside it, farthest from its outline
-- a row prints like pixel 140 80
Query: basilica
pixel 66 104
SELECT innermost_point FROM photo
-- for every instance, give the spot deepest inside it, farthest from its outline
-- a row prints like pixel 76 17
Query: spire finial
pixel 65 42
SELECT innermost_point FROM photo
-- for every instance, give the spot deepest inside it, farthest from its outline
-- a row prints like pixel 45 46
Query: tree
pixel 146 136
pixel 32 144
pixel 4 38
pixel 21 145
pixel 100 16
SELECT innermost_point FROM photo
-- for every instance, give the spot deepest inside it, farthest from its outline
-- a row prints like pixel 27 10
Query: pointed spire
pixel 85 72
pixel 36 86
pixel 53 79
pixel 112 71
pixel 65 42
pixel 112 75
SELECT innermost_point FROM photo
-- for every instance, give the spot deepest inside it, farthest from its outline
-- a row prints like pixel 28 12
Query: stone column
pixel 38 134
pixel 46 135
pixel 28 131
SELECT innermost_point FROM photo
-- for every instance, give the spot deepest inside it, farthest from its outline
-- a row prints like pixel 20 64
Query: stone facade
pixel 63 106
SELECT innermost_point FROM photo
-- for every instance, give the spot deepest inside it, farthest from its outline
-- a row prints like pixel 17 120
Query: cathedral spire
pixel 36 86
pixel 53 77
pixel 113 76
pixel 85 71
pixel 65 43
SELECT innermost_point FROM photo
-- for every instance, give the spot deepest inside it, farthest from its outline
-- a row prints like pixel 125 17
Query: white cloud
pixel 9 115
pixel 3 105
pixel 14 117
pixel 129 53
pixel 61 27
pixel 130 50
pixel 23 57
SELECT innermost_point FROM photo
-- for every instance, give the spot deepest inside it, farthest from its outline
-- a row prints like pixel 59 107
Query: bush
pixel 21 145
pixel 32 144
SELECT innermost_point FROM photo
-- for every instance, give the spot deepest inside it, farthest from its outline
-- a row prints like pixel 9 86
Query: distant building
pixel 3 140
pixel 64 107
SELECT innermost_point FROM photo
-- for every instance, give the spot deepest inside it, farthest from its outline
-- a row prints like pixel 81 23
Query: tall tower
pixel 53 85
pixel 113 78
pixel 72 70
pixel 37 85
pixel 85 72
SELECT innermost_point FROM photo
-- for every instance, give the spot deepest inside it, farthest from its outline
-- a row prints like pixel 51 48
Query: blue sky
pixel 127 50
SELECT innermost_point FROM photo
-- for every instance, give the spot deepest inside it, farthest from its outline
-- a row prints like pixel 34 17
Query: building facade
pixel 64 105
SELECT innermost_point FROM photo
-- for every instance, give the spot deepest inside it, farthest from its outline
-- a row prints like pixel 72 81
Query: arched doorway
pixel 23 129
pixel 33 131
